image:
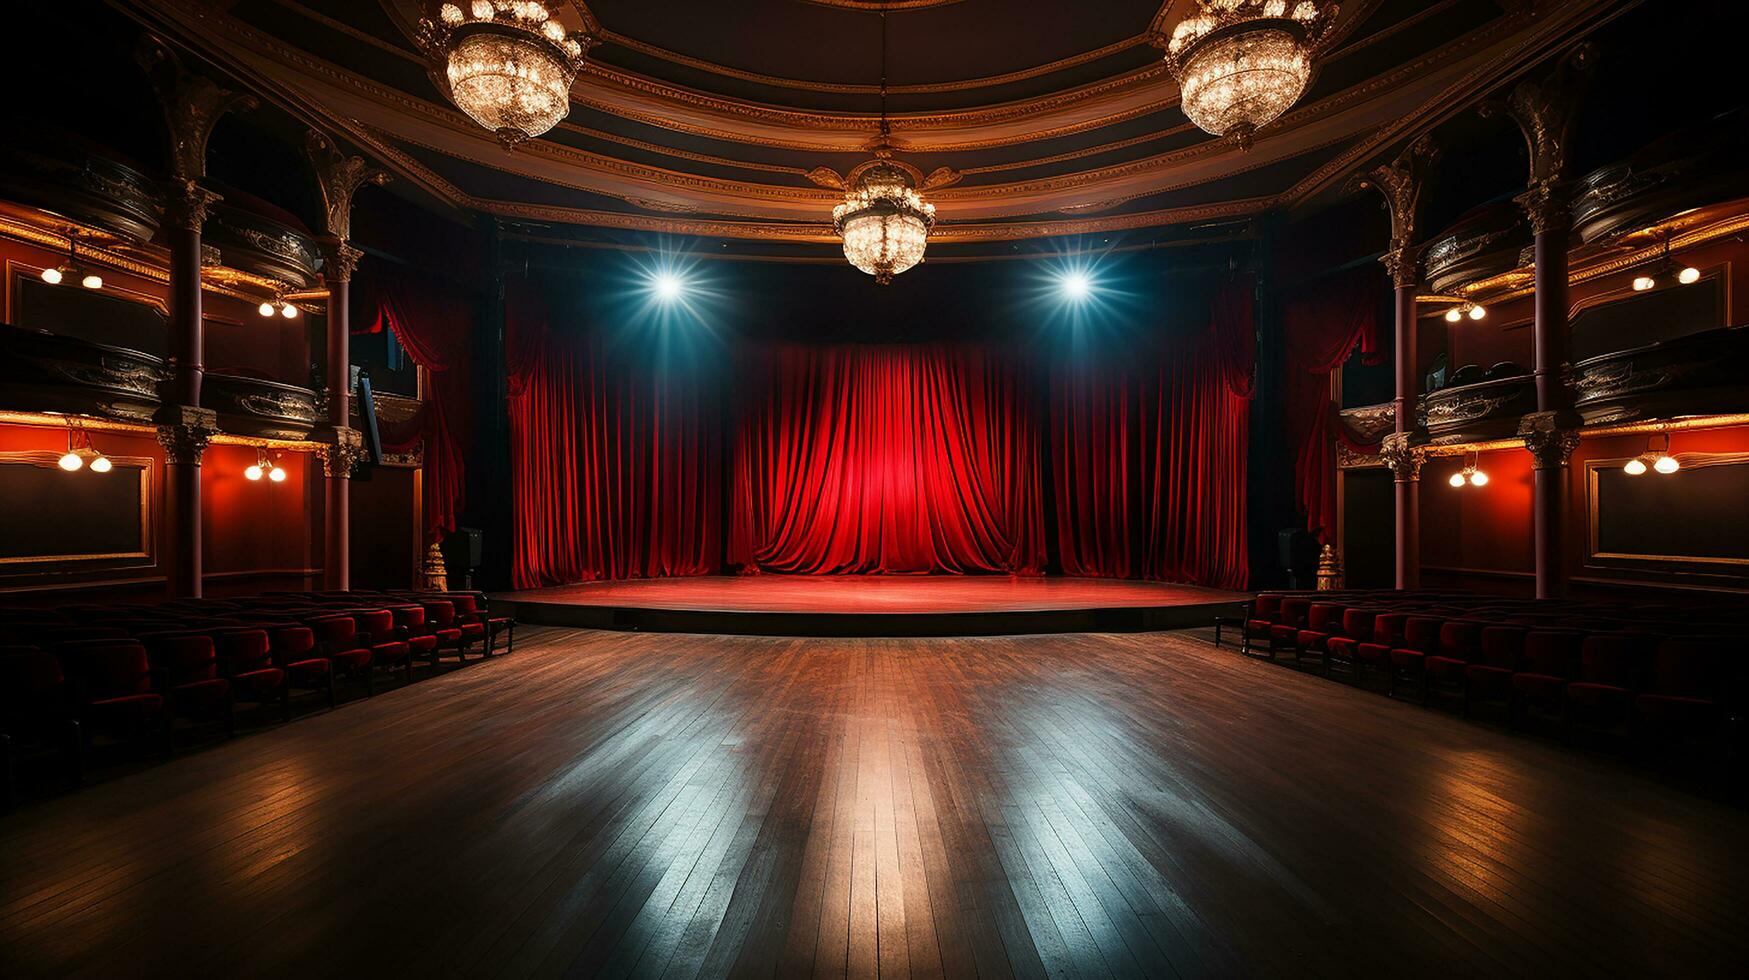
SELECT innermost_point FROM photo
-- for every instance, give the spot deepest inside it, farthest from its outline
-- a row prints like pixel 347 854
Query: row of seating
pixel 1631 670
pixel 132 671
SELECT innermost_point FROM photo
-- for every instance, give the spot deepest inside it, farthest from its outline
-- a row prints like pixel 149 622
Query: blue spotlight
pixel 668 286
pixel 1075 285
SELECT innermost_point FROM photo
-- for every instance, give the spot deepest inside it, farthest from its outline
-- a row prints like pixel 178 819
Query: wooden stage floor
pixel 872 605
pixel 622 804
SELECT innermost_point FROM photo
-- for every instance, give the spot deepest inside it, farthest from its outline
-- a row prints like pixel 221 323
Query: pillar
pixel 192 106
pixel 345 444
pixel 1401 182
pixel 1545 110
pixel 183 426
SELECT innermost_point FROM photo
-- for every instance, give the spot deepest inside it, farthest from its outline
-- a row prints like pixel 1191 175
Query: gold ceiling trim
pixel 822 233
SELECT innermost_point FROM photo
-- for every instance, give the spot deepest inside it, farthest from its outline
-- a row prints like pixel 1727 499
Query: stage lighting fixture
pixel 53 275
pixel 92 281
pixel 1076 285
pixel 668 287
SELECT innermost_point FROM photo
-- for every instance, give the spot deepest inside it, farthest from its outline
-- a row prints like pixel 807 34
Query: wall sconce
pixel 1687 275
pixel 1471 474
pixel 263 466
pixel 280 306
pixel 1656 458
pixel 59 274
pixel 1474 311
pixel 81 452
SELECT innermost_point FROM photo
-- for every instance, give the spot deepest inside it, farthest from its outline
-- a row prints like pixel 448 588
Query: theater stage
pixel 868 605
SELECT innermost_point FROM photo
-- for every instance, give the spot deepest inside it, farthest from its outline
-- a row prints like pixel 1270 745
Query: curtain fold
pixel 434 323
pixel 896 460
pixel 1323 324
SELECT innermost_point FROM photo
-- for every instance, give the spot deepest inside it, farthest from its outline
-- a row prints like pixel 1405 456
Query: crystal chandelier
pixel 883 220
pixel 509 65
pixel 1242 63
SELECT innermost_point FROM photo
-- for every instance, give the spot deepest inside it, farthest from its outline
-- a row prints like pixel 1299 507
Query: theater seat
pixel 1323 620
pixel 1357 626
pixel 1407 659
pixel 1613 669
pixel 114 679
pixel 1459 643
pixel 410 626
pixel 1690 683
pixel 337 639
pixel 1547 663
pixel 246 659
pixel 35 706
pixel 376 630
pixel 440 614
pixel 185 666
pixel 1489 679
pixel 1387 633
pixel 294 651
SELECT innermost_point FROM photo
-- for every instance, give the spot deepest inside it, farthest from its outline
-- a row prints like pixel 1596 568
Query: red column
pixel 1400 454
pixel 184 427
pixel 1550 436
pixel 339 260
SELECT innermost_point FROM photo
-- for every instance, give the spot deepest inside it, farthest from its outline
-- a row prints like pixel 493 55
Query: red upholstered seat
pixel 1547 663
pixel 115 679
pixel 187 668
pixel 1357 625
pixel 1690 681
pixel 34 705
pixel 1613 668
pixel 246 658
pixel 1489 678
pixel 377 630
pixel 294 651
pixel 440 614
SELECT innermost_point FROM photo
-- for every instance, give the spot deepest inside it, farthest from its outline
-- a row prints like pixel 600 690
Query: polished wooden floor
pixel 1076 805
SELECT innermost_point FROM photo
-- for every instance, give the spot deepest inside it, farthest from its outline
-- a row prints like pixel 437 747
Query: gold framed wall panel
pixel 143 466
pixel 1598 559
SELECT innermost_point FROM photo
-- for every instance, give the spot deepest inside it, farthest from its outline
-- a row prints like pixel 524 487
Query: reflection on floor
pixel 607 803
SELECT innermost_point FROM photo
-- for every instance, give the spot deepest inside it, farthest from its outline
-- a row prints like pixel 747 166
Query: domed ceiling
pixel 737 120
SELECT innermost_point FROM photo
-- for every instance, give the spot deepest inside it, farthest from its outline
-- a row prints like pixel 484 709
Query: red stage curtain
pixel 617 460
pixel 1323 324
pixel 905 458
pixel 902 459
pixel 434 323
pixel 1148 454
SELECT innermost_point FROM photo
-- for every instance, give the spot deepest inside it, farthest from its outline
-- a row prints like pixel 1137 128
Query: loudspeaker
pixel 1297 551
pixel 463 551
pixel 367 417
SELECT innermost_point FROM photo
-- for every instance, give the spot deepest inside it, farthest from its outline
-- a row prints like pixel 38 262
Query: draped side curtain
pixel 616 459
pixel 1148 454
pixel 1323 324
pixel 895 459
pixel 434 323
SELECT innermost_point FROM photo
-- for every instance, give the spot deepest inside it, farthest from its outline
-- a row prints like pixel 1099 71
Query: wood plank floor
pixel 1083 805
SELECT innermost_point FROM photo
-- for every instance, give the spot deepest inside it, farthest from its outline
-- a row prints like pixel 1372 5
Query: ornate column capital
pixel 1551 438
pixel 343 449
pixel 1546 206
pixel 338 178
pixel 1403 455
pixel 184 432
pixel 186 204
pixel 192 106
pixel 339 258
pixel 1401 183
pixel 1544 110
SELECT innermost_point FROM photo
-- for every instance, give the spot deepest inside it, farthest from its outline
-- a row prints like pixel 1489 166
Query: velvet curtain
pixel 617 459
pixel 434 323
pixel 1323 324
pixel 1148 454
pixel 891 459
pixel 901 458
